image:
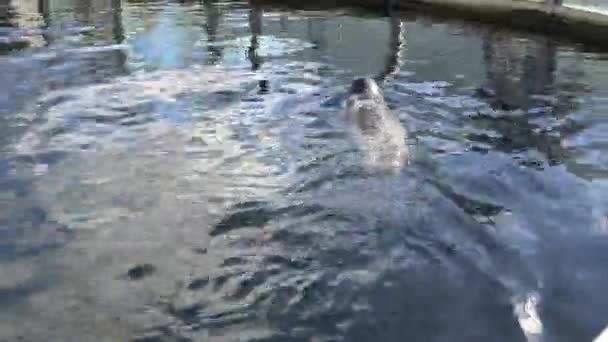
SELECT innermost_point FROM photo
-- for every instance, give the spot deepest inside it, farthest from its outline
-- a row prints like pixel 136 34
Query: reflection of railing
pixel 255 25
pixel 212 22
pixel 517 71
pixel 393 60
pixel 521 77
pixel 397 42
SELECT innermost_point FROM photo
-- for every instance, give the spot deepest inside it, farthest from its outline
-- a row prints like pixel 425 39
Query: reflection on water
pixel 175 170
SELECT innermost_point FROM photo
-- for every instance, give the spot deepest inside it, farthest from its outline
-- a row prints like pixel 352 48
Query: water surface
pixel 174 171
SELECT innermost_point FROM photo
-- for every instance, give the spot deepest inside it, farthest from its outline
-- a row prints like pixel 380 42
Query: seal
pixel 376 128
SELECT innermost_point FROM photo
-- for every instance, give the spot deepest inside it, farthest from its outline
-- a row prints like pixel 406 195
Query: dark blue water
pixel 175 171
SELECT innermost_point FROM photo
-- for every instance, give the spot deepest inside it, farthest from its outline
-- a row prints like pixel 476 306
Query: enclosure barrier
pixel 584 21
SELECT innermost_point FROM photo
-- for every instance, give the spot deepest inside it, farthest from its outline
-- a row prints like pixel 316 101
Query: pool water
pixel 178 171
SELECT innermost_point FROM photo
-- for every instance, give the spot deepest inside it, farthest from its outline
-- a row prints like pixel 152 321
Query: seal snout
pixel 360 86
pixel 365 86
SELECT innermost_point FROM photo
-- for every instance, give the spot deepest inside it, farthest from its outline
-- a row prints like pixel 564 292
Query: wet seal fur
pixel 376 127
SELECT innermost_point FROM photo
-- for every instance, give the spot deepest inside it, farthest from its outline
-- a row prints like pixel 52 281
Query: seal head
pixel 366 88
pixel 376 128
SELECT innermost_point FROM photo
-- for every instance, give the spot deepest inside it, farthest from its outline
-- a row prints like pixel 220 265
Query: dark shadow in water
pixel 20 295
pixel 26 229
pixel 417 305
pixel 420 296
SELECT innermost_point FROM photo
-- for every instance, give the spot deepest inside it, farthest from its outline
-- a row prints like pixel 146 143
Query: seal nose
pixel 366 88
pixel 360 86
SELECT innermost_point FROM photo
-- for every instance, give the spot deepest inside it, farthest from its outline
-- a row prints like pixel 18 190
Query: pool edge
pixel 580 26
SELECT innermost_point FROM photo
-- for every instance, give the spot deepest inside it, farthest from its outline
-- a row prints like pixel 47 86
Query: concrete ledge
pixel 577 25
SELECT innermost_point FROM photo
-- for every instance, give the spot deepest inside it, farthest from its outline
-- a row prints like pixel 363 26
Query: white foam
pixel 528 318
pixel 603 336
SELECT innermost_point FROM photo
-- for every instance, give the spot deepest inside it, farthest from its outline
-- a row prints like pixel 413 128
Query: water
pixel 175 171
